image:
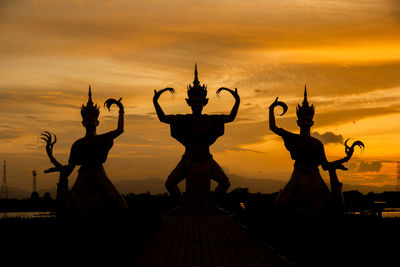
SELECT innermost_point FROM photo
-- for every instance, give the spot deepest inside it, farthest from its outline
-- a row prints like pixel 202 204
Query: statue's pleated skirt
pixel 93 194
pixel 306 192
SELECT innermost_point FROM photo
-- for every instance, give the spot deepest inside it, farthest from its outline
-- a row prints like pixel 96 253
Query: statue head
pixel 196 94
pixel 305 113
pixel 90 113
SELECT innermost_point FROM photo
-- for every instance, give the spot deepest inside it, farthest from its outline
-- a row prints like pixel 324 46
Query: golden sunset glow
pixel 346 52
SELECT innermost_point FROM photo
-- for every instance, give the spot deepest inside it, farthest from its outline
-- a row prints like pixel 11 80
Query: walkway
pixel 202 241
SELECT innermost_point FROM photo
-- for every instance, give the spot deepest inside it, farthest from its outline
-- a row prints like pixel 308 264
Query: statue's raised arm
pixel 65 170
pixel 231 117
pixel 272 123
pixel 47 137
pixel 336 185
pixel 160 113
pixel 120 128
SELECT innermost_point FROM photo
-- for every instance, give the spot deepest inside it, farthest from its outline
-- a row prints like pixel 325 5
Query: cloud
pixel 331 80
pixel 238 149
pixel 328 137
pixel 374 166
pixel 263 91
pixel 8 135
pixel 127 30
pixel 31 100
pixel 132 117
pixel 336 117
pixel 245 133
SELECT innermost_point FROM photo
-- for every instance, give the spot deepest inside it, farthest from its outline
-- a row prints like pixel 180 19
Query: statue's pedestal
pixel 197 197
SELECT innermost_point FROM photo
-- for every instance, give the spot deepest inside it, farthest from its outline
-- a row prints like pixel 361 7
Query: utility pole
pixel 34 195
pixel 34 181
pixel 4 188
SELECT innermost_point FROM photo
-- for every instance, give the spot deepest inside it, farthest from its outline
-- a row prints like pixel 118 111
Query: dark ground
pixel 347 240
pixel 341 241
pixel 53 242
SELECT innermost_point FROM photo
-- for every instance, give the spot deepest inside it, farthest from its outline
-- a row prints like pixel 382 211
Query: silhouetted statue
pixel 197 132
pixel 306 191
pixel 93 194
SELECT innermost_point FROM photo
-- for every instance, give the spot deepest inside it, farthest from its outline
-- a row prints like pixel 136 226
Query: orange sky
pixel 347 53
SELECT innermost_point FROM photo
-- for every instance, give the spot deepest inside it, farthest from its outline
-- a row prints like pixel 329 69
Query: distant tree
pixel 240 191
pixel 47 196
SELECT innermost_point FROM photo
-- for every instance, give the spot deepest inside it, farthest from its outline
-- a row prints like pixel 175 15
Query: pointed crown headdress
pixel 305 111
pixel 197 89
pixel 90 110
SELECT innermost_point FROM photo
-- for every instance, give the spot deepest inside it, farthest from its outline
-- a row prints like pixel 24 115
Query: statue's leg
pixel 218 175
pixel 176 176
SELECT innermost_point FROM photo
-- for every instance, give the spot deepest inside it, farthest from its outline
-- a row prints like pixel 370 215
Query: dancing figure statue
pixel 93 194
pixel 306 191
pixel 197 132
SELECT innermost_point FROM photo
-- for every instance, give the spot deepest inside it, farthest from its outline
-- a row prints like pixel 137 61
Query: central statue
pixel 197 132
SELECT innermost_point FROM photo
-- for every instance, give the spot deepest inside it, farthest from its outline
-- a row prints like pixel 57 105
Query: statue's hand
pixel 342 167
pixel 109 102
pixel 63 170
pixel 350 149
pixel 234 93
pixel 157 94
pixel 338 164
pixel 279 103
pixel 46 136
pixel 52 169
